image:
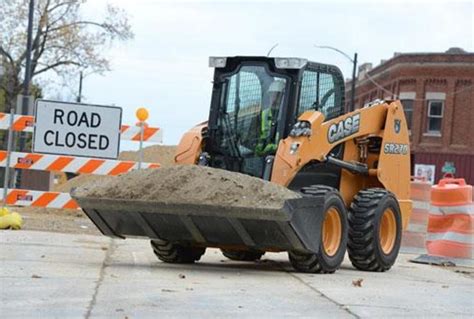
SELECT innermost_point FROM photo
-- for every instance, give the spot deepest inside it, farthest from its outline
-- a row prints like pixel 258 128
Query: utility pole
pixel 79 95
pixel 353 84
pixel 27 80
pixel 26 83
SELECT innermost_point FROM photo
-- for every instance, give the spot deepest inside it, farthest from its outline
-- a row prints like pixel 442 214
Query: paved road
pixel 51 275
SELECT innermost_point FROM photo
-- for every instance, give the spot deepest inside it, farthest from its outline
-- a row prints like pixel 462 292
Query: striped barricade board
pixel 150 134
pixel 70 164
pixel 24 197
pixel 25 123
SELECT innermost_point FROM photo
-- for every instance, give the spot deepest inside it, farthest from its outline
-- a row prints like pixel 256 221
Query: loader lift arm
pixel 390 168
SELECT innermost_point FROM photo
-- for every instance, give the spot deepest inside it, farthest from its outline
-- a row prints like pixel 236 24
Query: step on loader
pixel 283 120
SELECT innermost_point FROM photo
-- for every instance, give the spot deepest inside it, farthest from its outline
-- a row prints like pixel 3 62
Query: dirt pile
pixel 163 154
pixel 190 184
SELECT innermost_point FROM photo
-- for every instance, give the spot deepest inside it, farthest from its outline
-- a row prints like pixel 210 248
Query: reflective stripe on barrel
pixel 451 220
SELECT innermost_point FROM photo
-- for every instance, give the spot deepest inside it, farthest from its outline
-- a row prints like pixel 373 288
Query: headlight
pixel 290 63
pixel 217 62
pixel 301 128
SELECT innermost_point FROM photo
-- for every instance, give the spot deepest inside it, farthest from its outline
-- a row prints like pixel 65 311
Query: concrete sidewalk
pixel 51 275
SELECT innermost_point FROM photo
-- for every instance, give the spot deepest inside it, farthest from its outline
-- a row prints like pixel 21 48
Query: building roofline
pixel 442 56
pixel 435 58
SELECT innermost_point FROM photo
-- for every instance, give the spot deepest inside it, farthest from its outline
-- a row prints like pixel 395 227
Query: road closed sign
pixel 77 129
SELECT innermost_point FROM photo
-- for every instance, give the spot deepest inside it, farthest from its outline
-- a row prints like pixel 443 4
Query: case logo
pixel 344 128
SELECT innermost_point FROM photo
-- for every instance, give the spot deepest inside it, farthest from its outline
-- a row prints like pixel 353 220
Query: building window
pixel 408 109
pixel 435 116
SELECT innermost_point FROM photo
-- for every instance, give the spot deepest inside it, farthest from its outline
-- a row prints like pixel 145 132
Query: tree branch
pixel 59 5
pixel 39 32
pixel 55 65
pixel 39 52
pixel 69 6
pixel 63 39
pixel 6 54
pixel 100 25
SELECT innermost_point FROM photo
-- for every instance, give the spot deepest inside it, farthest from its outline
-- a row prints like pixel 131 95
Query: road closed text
pixel 77 129
pixel 82 140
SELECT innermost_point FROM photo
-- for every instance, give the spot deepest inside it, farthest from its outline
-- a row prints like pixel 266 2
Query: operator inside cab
pixel 268 137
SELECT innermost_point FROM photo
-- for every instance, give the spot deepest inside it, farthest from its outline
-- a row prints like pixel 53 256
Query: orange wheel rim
pixel 388 231
pixel 332 231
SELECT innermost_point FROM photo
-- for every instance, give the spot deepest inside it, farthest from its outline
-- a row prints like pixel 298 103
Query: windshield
pixel 250 110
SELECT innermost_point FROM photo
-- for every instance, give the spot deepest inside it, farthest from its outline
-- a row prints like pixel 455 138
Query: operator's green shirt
pixel 266 143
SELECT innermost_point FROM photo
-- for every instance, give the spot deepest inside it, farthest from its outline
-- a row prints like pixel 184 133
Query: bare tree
pixel 63 41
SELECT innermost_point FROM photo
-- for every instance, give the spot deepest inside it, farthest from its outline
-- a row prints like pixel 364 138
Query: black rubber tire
pixel 321 262
pixel 365 215
pixel 243 255
pixel 176 253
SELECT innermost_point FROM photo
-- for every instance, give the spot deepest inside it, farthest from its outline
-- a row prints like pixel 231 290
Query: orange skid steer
pixel 283 120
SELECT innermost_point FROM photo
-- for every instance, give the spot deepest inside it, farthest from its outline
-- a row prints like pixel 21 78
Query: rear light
pixel 217 62
pixel 290 63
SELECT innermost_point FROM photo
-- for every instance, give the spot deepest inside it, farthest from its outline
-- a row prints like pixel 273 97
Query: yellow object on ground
pixel 4 211
pixel 10 220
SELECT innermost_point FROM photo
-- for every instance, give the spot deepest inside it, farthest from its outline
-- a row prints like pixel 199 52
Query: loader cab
pixel 257 100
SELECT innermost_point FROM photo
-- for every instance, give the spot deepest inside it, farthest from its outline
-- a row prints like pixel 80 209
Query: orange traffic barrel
pixel 414 236
pixel 451 219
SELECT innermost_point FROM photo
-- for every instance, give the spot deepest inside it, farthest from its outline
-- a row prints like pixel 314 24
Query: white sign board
pixel 77 129
pixel 426 171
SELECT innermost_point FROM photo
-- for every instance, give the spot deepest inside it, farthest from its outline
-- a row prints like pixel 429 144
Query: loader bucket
pixel 296 226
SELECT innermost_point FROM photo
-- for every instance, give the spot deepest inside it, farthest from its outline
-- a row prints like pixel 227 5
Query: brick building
pixel 437 92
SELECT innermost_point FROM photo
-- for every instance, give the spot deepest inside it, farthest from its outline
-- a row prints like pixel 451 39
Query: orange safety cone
pixel 450 224
pixel 451 220
pixel 414 237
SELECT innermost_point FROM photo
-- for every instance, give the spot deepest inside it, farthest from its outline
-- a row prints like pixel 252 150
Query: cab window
pixel 320 92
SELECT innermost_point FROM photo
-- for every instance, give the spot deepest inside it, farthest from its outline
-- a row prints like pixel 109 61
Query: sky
pixel 165 67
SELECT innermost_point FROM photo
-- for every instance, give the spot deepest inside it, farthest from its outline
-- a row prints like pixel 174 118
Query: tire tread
pixel 310 263
pixel 362 221
pixel 175 253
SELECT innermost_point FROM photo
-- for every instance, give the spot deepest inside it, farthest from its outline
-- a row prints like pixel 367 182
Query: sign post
pixel 77 129
pixel 9 152
pixel 142 116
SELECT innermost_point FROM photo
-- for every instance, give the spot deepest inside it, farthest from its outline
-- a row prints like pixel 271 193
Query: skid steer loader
pixel 282 120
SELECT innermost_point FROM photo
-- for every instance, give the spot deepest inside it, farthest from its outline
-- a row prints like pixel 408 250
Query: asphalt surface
pixel 53 275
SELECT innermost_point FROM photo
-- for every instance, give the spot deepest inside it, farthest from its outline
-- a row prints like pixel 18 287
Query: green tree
pixel 64 42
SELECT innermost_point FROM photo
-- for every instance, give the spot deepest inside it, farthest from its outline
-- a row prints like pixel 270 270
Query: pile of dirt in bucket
pixel 190 184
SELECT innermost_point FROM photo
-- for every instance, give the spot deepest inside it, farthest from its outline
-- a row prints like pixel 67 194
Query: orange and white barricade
pixel 70 164
pixel 25 123
pixel 451 220
pixel 414 237
pixel 150 134
pixel 23 197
